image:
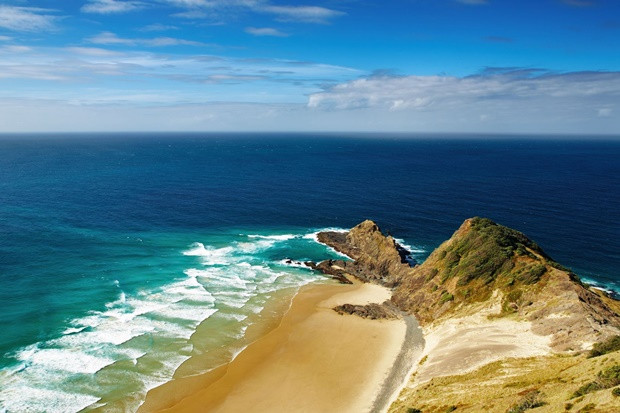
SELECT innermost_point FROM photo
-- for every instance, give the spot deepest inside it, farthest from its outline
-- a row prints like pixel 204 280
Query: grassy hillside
pixel 484 260
pixel 557 383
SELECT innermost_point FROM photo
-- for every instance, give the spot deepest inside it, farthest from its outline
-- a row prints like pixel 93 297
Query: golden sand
pixel 314 361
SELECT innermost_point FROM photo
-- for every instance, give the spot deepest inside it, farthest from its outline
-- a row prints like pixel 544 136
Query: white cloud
pixel 308 14
pixel 111 6
pixel 5 38
pixel 520 101
pixel 169 41
pixel 109 38
pixel 192 3
pixel 26 19
pixel 424 92
pixel 16 49
pixel 76 66
pixel 133 90
pixel 158 27
pixel 91 51
pixel 265 31
pixel 191 14
pixel 200 9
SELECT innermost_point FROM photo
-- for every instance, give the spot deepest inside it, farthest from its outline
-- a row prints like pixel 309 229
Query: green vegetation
pixel 445 297
pixel 511 301
pixel 531 399
pixel 605 379
pixel 505 384
pixel 605 347
pixel 558 266
pixel 616 392
pixel 485 252
pixel 587 408
pixel 531 274
pixel 413 410
pixel 431 274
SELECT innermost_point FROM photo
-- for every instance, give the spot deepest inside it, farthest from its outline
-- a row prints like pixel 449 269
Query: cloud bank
pixel 27 19
pixel 201 9
pixel 86 88
pixel 493 96
pixel 111 6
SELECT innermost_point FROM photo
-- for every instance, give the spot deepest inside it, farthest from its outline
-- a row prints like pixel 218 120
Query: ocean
pixel 122 256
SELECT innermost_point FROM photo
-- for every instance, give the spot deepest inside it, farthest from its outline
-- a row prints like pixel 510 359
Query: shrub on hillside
pixel 605 347
pixel 530 400
pixel 605 379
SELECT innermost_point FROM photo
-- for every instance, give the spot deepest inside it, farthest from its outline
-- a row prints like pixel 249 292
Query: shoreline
pixel 317 360
pixel 191 376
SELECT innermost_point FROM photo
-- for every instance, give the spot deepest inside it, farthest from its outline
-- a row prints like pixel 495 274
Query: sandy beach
pixel 315 360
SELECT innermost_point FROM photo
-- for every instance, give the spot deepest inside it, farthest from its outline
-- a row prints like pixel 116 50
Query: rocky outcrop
pixel 373 311
pixel 377 258
pixel 482 265
pixel 335 268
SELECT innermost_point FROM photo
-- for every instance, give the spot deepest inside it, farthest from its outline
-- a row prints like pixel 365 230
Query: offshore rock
pixel 377 258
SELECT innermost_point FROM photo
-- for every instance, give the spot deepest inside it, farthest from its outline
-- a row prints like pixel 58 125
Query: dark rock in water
pixel 373 311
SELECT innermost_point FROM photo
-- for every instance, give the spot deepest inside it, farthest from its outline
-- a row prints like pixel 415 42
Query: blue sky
pixel 546 66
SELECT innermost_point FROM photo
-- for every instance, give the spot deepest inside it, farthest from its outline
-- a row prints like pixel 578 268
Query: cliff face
pixel 480 265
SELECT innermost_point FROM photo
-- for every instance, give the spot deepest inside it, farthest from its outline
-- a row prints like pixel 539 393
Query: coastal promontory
pixel 499 315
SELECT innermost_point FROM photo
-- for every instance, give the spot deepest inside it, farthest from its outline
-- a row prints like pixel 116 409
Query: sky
pixel 473 66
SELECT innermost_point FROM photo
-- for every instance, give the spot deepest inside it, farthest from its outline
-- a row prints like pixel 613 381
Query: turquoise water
pixel 123 256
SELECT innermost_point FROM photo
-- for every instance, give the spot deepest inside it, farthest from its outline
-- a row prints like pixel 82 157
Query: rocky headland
pixel 488 299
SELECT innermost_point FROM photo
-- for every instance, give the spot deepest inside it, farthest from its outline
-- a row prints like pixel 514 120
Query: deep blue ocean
pixel 115 249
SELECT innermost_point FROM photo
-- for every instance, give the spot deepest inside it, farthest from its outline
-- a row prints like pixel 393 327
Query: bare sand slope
pixel 460 345
pixel 314 361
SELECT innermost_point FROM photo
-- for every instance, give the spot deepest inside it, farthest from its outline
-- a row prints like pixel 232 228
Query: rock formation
pixel 481 263
pixel 373 311
pixel 377 258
